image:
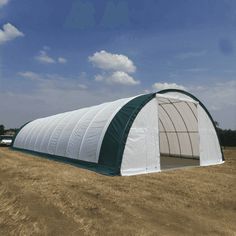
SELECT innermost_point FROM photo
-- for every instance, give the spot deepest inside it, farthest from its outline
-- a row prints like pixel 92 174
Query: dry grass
pixel 43 197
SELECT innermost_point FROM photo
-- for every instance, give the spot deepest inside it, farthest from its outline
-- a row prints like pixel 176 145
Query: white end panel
pixel 141 154
pixel 210 152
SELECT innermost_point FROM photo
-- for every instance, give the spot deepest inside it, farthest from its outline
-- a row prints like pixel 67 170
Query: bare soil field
pixel 45 197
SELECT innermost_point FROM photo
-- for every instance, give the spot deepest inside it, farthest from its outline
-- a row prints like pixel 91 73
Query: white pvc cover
pixel 77 134
pixel 210 151
pixel 141 154
pixel 185 125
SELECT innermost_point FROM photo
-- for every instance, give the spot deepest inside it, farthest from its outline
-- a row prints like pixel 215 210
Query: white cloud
pixel 220 100
pixel 30 75
pixel 43 57
pixel 218 96
pixel 52 81
pixel 62 60
pixel 43 102
pixel 114 62
pixel 83 75
pixel 118 77
pixel 116 68
pixel 46 48
pixel 82 86
pixel 3 3
pixel 187 55
pixel 195 70
pixel 100 77
pixel 9 32
pixel 121 77
pixel 161 86
pixel 42 99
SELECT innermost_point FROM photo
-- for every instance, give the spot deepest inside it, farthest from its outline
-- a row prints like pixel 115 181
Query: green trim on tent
pixel 114 140
pixel 202 105
pixel 79 163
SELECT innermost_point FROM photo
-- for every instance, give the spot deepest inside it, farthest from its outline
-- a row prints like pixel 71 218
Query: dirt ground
pixel 44 197
pixel 167 162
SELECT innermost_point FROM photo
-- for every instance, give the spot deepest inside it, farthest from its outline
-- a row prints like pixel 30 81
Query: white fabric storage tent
pixel 128 136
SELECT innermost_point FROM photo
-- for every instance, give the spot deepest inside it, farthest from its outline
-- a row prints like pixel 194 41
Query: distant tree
pixel 2 128
pixel 227 136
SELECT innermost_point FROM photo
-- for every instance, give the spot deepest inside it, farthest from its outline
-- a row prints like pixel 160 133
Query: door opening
pixel 178 133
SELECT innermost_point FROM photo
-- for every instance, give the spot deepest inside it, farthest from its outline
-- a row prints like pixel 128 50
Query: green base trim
pixel 74 162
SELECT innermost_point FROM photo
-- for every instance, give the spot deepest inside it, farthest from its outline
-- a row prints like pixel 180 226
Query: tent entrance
pixel 178 132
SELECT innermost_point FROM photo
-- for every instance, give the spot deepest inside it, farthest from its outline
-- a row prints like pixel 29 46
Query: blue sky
pixel 57 56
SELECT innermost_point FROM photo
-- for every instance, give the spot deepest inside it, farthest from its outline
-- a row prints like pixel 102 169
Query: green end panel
pixel 114 141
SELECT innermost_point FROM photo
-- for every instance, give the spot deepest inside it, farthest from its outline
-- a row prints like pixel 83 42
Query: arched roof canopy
pixel 109 152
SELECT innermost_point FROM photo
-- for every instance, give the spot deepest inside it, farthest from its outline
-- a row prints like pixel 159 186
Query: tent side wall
pixel 66 135
pixel 74 135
